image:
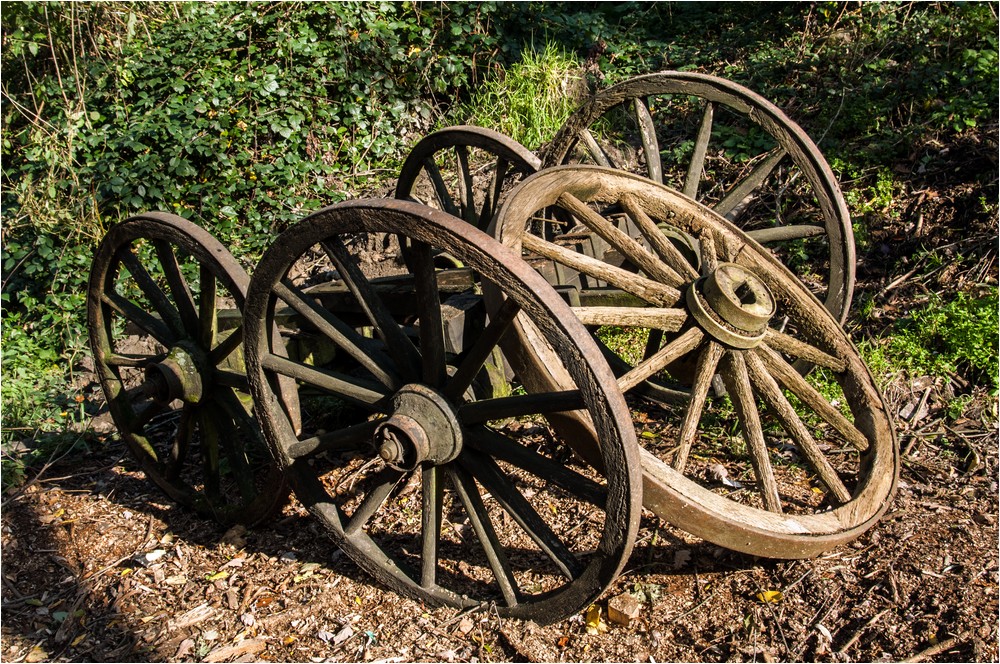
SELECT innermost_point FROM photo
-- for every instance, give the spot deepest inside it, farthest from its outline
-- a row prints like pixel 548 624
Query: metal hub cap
pixel 178 376
pixel 422 428
pixel 733 305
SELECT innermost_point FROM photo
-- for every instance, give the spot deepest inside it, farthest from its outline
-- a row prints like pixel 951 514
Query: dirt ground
pixel 98 566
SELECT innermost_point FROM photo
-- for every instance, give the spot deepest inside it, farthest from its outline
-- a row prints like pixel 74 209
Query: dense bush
pixel 243 117
pixel 238 116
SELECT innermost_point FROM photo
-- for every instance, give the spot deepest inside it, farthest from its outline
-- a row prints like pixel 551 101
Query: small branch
pixel 857 635
pixel 947 644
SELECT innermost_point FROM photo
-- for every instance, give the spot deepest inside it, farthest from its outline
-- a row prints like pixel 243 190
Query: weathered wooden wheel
pixel 801 475
pixel 733 151
pixel 421 454
pixel 165 330
pixel 449 168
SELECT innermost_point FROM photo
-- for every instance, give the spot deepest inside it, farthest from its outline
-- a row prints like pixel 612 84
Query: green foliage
pixel 245 116
pixel 940 338
pixel 532 98
pixel 38 404
pixel 242 117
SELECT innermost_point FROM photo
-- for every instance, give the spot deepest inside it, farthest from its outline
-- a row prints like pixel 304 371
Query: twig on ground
pixel 857 635
pixel 947 644
pixel 774 616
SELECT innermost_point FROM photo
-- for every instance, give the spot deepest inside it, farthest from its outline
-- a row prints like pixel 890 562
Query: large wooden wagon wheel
pixel 163 309
pixel 808 467
pixel 437 493
pixel 465 171
pixel 733 151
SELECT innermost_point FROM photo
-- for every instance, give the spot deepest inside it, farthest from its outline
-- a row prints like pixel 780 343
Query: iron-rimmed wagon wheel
pixel 803 475
pixel 449 168
pixel 732 150
pixel 163 309
pixel 430 489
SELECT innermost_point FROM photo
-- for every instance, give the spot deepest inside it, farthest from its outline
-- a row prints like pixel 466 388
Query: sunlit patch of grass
pixel 530 100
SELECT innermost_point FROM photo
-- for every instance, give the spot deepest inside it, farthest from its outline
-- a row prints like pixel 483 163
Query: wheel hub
pixel 178 376
pixel 422 428
pixel 733 305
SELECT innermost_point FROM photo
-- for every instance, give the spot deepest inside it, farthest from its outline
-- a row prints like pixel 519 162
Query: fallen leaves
pixel 595 624
pixel 770 596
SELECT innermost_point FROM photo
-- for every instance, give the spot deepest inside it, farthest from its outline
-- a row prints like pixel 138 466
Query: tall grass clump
pixel 532 98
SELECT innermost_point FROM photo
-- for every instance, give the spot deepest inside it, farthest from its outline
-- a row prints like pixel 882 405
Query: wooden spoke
pixel 181 442
pixel 738 383
pixel 219 354
pixel 667 320
pixel 635 252
pixel 178 287
pixel 676 349
pixel 504 490
pixel 653 343
pixel 651 291
pixel 209 454
pixel 429 313
pixel 234 379
pixel 494 193
pixel 742 190
pixel 650 146
pixel 697 163
pixel 466 188
pixel 440 188
pixel 790 345
pixel 521 405
pixel 468 494
pixel 399 345
pixel 208 318
pixel 157 298
pixel 782 233
pixel 797 385
pixel 354 437
pixel 773 396
pixel 151 325
pixel 481 350
pixel 344 336
pixel 500 447
pixel 703 374
pixel 128 360
pixel 709 253
pixel 595 150
pixel 660 243
pixel 235 450
pixel 356 390
pixel 385 481
pixel 432 480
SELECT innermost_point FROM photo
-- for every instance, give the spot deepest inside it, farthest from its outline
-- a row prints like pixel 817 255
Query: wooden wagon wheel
pixel 465 171
pixel 163 308
pixel 802 474
pixel 733 151
pixel 430 489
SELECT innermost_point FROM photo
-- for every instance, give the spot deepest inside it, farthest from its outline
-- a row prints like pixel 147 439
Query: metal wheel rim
pixel 512 160
pixel 491 260
pixel 669 493
pixel 791 138
pixel 221 408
